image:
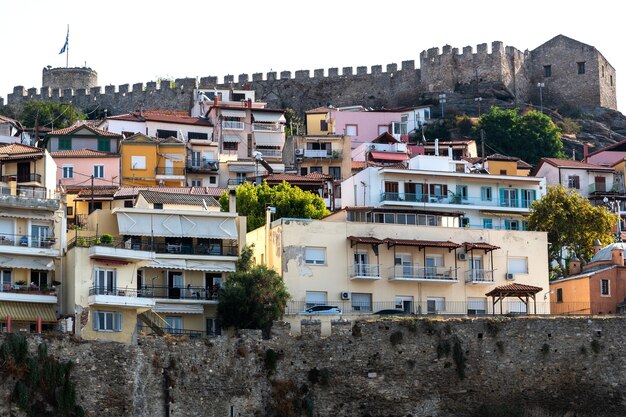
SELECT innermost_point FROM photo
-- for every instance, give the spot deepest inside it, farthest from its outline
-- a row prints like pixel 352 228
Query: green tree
pixel 252 201
pixel 49 114
pixel 294 124
pixel 529 136
pixel 572 223
pixel 252 298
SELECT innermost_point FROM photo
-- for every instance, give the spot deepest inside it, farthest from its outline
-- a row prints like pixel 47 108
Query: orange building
pixel 597 288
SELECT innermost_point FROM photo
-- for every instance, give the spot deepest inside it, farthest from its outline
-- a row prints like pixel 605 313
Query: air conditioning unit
pixel 299 151
pixel 345 295
pixel 462 256
pixel 510 276
pixel 299 160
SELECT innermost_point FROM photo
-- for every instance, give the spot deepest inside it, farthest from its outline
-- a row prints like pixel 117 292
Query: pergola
pixel 521 291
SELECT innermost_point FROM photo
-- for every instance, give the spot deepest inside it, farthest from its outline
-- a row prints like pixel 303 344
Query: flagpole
pixel 67 51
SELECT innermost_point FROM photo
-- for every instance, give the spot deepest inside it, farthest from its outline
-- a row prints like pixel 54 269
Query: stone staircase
pixel 154 321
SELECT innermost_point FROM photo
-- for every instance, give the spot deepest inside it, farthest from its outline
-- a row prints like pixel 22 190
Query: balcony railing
pixel 117 291
pixel 177 293
pixel 598 187
pixel 21 178
pixel 28 289
pixel 421 273
pixel 322 153
pixel 169 171
pixel 268 127
pixel 239 181
pixel 29 241
pixel 365 271
pixel 453 199
pixel 203 164
pixel 270 153
pixel 230 125
pixel 477 276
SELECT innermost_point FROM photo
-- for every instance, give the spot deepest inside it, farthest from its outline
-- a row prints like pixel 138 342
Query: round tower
pixel 74 78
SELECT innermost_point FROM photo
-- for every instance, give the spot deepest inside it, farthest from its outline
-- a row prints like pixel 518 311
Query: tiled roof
pixel 168 116
pixel 424 243
pixel 17 151
pixel 523 165
pixel 76 127
pixel 99 191
pixel 480 245
pixel 365 239
pixel 358 164
pixel 318 110
pixel 511 290
pixel 568 163
pixel 178 198
pixel 83 153
pixel 130 192
pixel 311 178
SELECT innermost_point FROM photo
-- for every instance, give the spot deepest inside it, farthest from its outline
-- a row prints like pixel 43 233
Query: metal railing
pixel 29 289
pixel 193 248
pixel 239 181
pixel 230 125
pixel 203 164
pixel 178 293
pixel 30 241
pixel 117 291
pixel 416 272
pixel 605 188
pixel 454 199
pixel 169 171
pixel 479 275
pixel 190 333
pixel 21 178
pixel 268 127
pixel 371 271
pixel 270 153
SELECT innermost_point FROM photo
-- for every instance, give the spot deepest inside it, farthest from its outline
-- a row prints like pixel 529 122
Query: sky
pixel 128 42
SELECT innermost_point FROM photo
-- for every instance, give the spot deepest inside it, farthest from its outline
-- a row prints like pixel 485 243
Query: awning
pixel 179 308
pixel 191 265
pixel 389 156
pixel 233 113
pixel 479 245
pixel 423 243
pixel 230 138
pixel 269 138
pixel 177 225
pixel 173 156
pixel 27 311
pixel 26 214
pixel 241 168
pixel 268 117
pixel 27 262
pixel 365 239
pixel 502 214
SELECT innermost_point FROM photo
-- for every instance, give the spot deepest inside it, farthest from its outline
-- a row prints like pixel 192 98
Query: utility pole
pixel 92 207
pixel 482 146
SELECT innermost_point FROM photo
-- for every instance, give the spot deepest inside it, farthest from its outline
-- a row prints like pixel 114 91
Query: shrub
pixel 106 239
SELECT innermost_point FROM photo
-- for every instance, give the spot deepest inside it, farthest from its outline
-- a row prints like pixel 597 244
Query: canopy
pixel 234 113
pixel 168 224
pixel 191 265
pixel 27 262
pixel 27 311
pixel 389 156
pixel 179 308
pixel 268 117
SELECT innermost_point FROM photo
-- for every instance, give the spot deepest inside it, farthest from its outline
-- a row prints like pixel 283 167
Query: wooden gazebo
pixel 521 291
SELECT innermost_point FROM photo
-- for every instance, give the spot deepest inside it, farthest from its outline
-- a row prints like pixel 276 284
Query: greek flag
pixel 67 38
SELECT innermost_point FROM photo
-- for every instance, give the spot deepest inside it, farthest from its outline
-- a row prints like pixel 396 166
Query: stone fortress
pixel 573 74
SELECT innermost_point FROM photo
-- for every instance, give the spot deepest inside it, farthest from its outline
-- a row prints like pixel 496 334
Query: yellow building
pixel 160 262
pixel 148 161
pixel 318 121
pixel 362 267
pixel 498 164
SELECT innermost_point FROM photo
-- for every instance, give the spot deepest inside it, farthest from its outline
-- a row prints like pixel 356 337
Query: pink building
pixel 75 168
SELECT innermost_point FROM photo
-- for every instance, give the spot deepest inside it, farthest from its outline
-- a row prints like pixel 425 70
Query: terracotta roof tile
pixel 168 116
pixel 78 126
pixel 480 245
pixel 568 163
pixel 365 239
pixel 19 151
pixel 178 198
pixel 311 178
pixel 513 290
pixel 130 192
pixel 424 243
pixel 82 153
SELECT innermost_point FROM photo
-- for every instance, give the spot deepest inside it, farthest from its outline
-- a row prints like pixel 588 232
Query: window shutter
pixel 94 320
pixel 118 321
pixel 502 200
pixel 444 190
pixel 534 194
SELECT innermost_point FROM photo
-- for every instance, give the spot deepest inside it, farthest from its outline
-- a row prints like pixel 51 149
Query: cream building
pixel 154 267
pixel 362 266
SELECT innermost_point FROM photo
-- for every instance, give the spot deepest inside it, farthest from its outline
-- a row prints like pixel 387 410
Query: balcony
pixel 423 274
pixel 386 197
pixel 230 125
pixel 135 248
pixel 188 293
pixel 119 297
pixel 239 181
pixel 29 197
pixel 21 178
pixel 270 153
pixel 28 294
pixel 322 153
pixel 30 241
pixel 479 276
pixel 169 171
pixel 603 188
pixel 268 127
pixel 365 271
pixel 203 165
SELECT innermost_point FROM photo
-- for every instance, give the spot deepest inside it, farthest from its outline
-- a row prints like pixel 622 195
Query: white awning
pixel 27 214
pixel 230 138
pixel 191 265
pixel 177 225
pixel 179 308
pixel 242 168
pixel 268 117
pixel 27 262
pixel 173 156
pixel 269 138
pixel 234 113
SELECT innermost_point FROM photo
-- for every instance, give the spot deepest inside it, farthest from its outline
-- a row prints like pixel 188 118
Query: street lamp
pixel 540 86
pixel 442 100
pixel 478 100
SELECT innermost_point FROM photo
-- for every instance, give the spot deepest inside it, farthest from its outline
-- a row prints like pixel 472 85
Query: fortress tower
pixel 69 78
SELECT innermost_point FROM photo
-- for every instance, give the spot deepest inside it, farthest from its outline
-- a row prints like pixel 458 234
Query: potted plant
pixel 106 239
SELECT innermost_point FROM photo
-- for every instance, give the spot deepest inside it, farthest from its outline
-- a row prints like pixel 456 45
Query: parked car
pixel 392 312
pixel 321 310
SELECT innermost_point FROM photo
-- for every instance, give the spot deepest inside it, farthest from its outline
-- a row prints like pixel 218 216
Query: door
pixel 361 267
pixel 600 184
pixel 39 235
pixel 5 280
pixel 432 263
pixel 174 284
pixel 212 284
pixel 104 281
pixel 391 191
pixel 410 191
pixel 174 325
pixel 23 171
pixel 403 265
pixel 404 303
pixel 169 167
pixel 476 268
pixel 213 327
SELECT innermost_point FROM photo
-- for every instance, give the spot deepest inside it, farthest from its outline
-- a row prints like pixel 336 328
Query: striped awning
pixel 232 138
pixel 27 311
pixel 179 308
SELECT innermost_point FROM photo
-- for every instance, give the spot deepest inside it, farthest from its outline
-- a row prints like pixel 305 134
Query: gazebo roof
pixel 514 290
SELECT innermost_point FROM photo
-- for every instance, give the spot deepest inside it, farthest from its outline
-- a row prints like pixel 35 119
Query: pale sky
pixel 135 41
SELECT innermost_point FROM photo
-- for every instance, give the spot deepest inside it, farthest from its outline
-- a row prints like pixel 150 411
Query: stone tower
pixel 69 78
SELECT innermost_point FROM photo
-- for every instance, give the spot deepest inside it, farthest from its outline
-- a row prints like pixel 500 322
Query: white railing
pixel 230 125
pixel 421 273
pixel 368 271
pixel 317 153
pixel 479 275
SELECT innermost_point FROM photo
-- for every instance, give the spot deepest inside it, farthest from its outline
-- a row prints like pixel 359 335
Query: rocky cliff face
pixel 415 367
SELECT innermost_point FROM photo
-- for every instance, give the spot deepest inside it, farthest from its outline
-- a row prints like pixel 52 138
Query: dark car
pixel 321 310
pixel 392 312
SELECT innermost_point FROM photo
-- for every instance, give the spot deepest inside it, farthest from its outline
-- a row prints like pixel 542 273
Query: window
pixel 138 162
pixel 158 206
pixel 315 169
pixel 162 133
pixel 485 194
pixel 559 295
pixel 476 306
pixel 403 265
pixel 488 223
pixel 508 197
pixel 231 146
pixel 435 304
pixel 107 321
pixel 404 302
pixel 323 126
pixel 517 265
pixel 352 130
pixel 197 135
pixel 128 203
pixel 461 192
pixel 314 256
pixel 174 325
pixel 605 288
pixel 385 128
pixel 573 181
pixel 361 301
pixel 98 171
pixel 511 225
pixel 105 281
pixel 65 144
pixel 213 180
pixel 104 145
pixel 240 177
pixel 39 278
pixel 547 70
pixel 316 298
pixel 335 172
pixel 5 280
pixel 70 211
pixel 611 80
pixel 68 171
pixel 503 172
pixel 581 68
pixel 304 171
pixel 602 71
pixel 95 205
pixel 196 183
pixel 528 196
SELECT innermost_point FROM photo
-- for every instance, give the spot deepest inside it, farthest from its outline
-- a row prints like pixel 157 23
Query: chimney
pixel 585 152
pixel 250 103
pixel 232 201
pixel 617 255
pixel 215 100
pixel 574 266
pixel 596 246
